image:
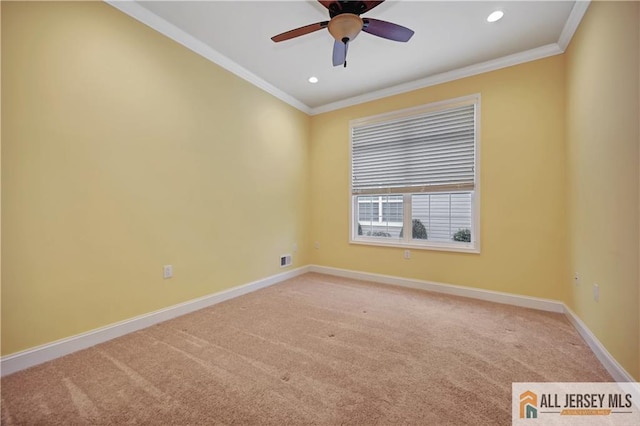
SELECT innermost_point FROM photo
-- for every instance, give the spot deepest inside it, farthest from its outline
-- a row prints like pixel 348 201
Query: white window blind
pixel 425 152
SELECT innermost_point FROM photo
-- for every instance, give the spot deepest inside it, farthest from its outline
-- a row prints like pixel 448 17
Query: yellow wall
pixel 123 151
pixel 603 111
pixel 522 179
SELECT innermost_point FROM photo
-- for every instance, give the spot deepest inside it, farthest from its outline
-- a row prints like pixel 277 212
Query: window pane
pixel 442 217
pixel 379 216
pixel 392 210
pixel 368 209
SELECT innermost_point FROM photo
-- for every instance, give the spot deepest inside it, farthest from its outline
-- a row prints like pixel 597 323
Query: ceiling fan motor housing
pixel 345 27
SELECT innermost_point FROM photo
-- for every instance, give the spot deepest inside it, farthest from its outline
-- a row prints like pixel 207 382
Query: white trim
pixel 618 373
pixel 19 361
pixel 483 67
pixel 433 245
pixel 455 290
pixel 570 27
pixel 475 201
pixel 37 355
pixel 152 20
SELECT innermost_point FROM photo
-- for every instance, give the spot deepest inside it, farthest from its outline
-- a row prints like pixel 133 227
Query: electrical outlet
pixel 295 247
pixel 596 292
pixel 316 245
pixel 167 271
pixel 576 279
pixel 407 254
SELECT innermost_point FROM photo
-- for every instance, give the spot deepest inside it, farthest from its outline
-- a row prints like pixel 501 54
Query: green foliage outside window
pixel 378 234
pixel 419 232
pixel 463 235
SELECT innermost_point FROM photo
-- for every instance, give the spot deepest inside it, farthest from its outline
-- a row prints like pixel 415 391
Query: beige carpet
pixel 313 350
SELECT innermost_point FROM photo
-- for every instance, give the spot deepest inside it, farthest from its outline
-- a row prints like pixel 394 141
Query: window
pixel 414 177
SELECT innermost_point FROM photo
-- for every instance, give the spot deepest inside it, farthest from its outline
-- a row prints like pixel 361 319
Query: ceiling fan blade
pixel 386 30
pixel 335 7
pixel 370 5
pixel 300 31
pixel 339 53
pixel 326 4
pixel 358 7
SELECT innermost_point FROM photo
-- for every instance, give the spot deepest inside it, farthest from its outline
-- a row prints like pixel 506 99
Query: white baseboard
pixel 455 290
pixel 618 373
pixel 21 360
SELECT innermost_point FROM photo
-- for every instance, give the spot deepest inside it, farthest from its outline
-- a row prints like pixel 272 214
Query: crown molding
pixel 570 27
pixel 483 67
pixel 136 11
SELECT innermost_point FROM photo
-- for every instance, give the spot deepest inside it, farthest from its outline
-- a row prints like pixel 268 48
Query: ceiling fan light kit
pixel 346 24
pixel 345 27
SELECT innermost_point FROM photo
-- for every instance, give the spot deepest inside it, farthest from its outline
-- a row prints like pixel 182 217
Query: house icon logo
pixel 528 405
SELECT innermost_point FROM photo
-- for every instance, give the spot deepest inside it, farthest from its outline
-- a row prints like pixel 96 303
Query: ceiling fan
pixel 345 24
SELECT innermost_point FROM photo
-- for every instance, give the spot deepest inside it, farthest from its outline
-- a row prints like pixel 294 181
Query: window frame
pixel 407 242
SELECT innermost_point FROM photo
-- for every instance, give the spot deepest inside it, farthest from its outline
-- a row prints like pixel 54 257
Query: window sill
pixel 434 246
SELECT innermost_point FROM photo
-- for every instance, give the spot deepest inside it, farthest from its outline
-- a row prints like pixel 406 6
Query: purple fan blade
pixel 386 30
pixel 339 53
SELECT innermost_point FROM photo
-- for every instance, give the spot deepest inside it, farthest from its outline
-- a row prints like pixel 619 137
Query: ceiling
pixel 452 40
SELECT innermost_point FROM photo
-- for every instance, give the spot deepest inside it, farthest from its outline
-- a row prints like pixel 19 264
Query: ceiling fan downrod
pixel 345 40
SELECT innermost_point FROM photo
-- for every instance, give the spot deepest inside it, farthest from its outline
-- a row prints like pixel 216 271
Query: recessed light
pixel 495 16
pixel 313 80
